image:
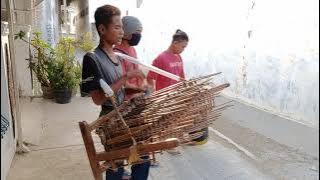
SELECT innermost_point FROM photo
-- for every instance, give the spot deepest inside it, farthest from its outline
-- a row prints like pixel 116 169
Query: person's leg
pixel 112 175
pixel 126 173
pixel 154 162
pixel 105 110
pixel 140 171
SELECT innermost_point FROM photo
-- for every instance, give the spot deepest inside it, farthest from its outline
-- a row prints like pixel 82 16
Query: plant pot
pixel 63 96
pixel 47 92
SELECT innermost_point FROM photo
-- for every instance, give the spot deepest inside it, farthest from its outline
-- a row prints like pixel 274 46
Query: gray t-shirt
pixel 97 65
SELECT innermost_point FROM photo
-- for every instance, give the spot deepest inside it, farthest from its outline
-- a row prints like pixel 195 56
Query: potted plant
pixel 64 76
pixel 65 73
pixel 43 57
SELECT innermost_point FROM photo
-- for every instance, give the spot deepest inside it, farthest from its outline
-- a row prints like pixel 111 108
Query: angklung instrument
pixel 144 125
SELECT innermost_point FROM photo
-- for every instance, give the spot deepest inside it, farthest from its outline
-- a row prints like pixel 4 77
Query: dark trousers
pixel 138 171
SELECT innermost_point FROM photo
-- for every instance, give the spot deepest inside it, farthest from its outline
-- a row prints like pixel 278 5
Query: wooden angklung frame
pixel 164 120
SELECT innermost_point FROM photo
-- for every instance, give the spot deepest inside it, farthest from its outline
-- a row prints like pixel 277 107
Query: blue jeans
pixel 138 171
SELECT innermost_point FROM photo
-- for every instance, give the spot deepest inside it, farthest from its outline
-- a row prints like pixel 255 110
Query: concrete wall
pixel 267 50
pixel 81 22
pixel 8 142
pixel 45 20
pixel 23 11
pixel 23 18
pixel 41 20
pixel 81 15
pixel 23 70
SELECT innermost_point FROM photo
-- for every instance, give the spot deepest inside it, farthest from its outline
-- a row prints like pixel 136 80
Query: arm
pixel 182 75
pixel 152 85
pixel 99 97
pixel 90 80
pixel 152 76
pixel 128 66
pixel 91 76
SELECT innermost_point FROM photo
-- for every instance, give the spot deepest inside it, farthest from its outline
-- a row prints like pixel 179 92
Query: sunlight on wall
pixel 266 49
pixel 276 68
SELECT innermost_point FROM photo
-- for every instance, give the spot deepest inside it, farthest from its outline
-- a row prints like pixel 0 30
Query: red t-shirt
pixel 126 65
pixel 169 62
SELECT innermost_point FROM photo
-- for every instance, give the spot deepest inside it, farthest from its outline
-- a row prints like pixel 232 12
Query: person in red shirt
pixel 132 28
pixel 170 61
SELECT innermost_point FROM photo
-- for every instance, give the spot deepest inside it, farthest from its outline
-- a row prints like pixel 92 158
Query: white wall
pixel 275 69
pixel 82 24
pixel 23 70
pixel 8 143
pixel 41 20
pixel 23 19
pixel 45 20
pixel 23 11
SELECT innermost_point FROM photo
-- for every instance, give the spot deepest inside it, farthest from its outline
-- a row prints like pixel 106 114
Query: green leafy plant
pixel 64 74
pixel 57 67
pixel 43 56
pixel 66 71
pixel 86 43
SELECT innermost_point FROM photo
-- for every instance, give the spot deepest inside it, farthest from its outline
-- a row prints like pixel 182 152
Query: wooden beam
pixel 142 150
pixel 91 151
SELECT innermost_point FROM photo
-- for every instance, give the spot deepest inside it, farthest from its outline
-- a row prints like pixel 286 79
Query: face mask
pixel 135 39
